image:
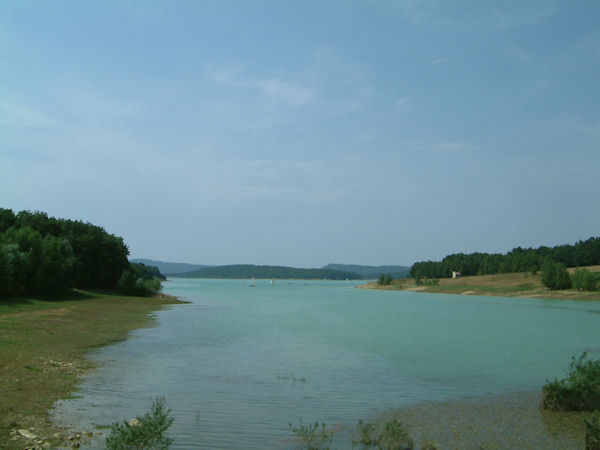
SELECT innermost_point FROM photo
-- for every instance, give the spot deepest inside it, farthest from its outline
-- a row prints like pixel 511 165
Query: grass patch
pixel 502 285
pixel 43 343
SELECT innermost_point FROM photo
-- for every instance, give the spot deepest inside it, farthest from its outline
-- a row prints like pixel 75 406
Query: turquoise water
pixel 238 364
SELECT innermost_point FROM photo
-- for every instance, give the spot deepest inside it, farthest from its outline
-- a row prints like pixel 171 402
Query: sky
pixel 303 133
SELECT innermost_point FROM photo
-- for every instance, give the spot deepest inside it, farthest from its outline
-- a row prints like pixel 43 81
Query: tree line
pixel 277 272
pixel 48 256
pixel 583 253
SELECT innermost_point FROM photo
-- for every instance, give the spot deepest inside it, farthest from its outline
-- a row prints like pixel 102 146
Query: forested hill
pixel 168 268
pixel 583 253
pixel 371 272
pixel 48 256
pixel 277 272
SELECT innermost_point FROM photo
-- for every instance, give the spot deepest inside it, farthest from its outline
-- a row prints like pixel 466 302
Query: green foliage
pixel 422 281
pixel 579 391
pixel 147 432
pixel 583 253
pixel 385 279
pixel 388 435
pixel 315 436
pixel 147 272
pixel 585 280
pixel 48 256
pixel 138 280
pixel 592 432
pixel 241 271
pixel 555 275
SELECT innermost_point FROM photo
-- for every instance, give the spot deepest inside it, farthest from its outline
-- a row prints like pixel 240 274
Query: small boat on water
pixel 253 282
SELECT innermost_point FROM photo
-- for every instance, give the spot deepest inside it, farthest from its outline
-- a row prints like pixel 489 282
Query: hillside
pixel 168 268
pixel 371 272
pixel 277 272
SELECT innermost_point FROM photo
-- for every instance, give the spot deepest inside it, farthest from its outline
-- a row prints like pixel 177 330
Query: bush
pixel 580 391
pixel 585 280
pixel 313 436
pixel 385 279
pixel 147 432
pixel 555 275
pixel 592 432
pixel 389 435
pixel 131 283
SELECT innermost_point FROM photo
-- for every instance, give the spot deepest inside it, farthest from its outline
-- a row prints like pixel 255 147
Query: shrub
pixel 385 279
pixel 555 275
pixel 592 432
pixel 585 280
pixel 313 436
pixel 580 391
pixel 132 284
pixel 388 435
pixel 147 432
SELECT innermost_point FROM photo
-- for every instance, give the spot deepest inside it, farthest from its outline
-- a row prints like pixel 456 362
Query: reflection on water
pixel 237 365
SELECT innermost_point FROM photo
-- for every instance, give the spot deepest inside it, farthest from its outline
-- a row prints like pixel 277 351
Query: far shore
pixel 525 285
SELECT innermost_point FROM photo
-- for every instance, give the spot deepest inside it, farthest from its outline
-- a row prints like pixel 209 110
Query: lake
pixel 238 364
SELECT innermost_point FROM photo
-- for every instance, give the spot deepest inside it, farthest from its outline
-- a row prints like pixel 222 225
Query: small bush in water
pixel 390 435
pixel 147 432
pixel 313 436
pixel 580 391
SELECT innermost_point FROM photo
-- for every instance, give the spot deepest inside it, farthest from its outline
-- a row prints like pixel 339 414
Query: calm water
pixel 238 364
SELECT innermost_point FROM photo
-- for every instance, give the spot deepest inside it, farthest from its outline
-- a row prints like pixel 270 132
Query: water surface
pixel 238 364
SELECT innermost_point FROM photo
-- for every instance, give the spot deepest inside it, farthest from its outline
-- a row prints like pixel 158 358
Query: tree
pixel 585 280
pixel 555 275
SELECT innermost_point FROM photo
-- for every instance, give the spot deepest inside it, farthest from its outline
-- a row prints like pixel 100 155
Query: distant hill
pixel 169 268
pixel 277 272
pixel 371 272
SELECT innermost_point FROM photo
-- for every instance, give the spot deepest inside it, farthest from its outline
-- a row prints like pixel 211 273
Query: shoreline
pixel 511 420
pixel 43 357
pixel 521 285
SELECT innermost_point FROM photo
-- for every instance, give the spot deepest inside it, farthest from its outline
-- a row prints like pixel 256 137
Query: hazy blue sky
pixel 305 132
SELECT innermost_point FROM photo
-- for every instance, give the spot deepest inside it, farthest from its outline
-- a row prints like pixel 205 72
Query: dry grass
pixel 43 344
pixel 503 285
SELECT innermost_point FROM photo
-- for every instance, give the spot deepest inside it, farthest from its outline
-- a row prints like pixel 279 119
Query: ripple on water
pixel 504 422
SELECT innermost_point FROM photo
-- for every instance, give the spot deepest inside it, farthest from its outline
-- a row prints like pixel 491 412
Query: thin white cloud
pixel 15 115
pixel 402 105
pixel 437 61
pixel 91 105
pixel 449 146
pixel 274 88
pixel 291 92
pixel 518 53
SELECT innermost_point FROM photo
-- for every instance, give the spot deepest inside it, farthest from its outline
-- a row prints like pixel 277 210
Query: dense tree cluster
pixel 45 255
pixel 583 253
